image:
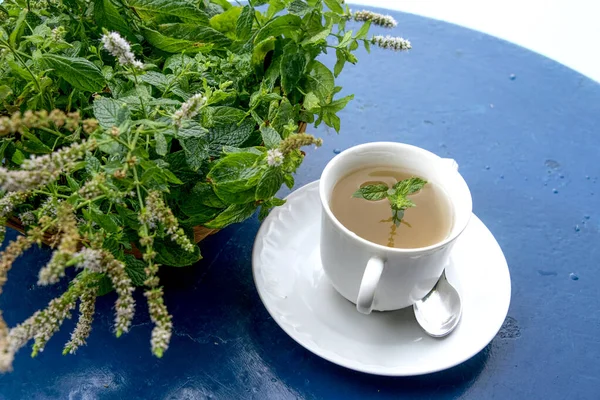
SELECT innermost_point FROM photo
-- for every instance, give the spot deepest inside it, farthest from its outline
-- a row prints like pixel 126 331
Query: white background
pixel 567 31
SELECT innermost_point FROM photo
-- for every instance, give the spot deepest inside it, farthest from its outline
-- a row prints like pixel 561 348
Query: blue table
pixel 524 131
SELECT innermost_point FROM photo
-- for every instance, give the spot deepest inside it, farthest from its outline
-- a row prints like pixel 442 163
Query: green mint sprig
pixel 396 195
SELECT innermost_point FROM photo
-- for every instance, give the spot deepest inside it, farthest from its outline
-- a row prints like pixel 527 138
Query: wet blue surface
pixel 524 130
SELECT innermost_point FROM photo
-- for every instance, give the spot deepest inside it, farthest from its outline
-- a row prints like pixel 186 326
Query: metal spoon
pixel 440 310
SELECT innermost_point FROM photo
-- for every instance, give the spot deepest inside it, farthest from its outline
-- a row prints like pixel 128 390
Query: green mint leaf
pixel 196 152
pixel 339 64
pixel 251 150
pixel 18 70
pixel 191 129
pixel 156 79
pixel 232 135
pixel 225 116
pixel 335 6
pixel 243 26
pixel 154 178
pixel 92 165
pixel 197 34
pixel 272 73
pixel 183 9
pixel 283 115
pixel 18 157
pixel 160 143
pixel 270 137
pixel 260 51
pixel 79 72
pixel 234 177
pixel 317 37
pixel 5 91
pixel 32 144
pixel 111 223
pixel 129 217
pixel 192 206
pixel 223 3
pixel 180 168
pixel 299 8
pixel 176 63
pixel 105 286
pixel 331 119
pixel 274 7
pixel 372 192
pixel 288 180
pixel 363 31
pixel 397 216
pixel 320 82
pixel 409 186
pixel 275 202
pixel 203 192
pixel 339 104
pixel 169 253
pixel 174 45
pixel 227 21
pixel 233 214
pixel 108 14
pixel 269 184
pixel 73 185
pixel 278 26
pixel 110 112
pixel 19 29
pixel 345 40
pixel 400 202
pixel 292 67
pixel 311 102
pixel 135 269
pixel 263 213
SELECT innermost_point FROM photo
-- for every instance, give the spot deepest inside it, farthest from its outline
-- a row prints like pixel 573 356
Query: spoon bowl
pixel 439 312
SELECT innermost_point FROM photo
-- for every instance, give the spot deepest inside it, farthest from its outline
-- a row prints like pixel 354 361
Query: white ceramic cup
pixel 376 277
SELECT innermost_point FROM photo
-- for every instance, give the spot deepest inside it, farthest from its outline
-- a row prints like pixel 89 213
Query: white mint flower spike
pixel 274 157
pixel 389 42
pixel 89 259
pixel 189 109
pixel 39 171
pixel 120 48
pixel 87 306
pixel 387 21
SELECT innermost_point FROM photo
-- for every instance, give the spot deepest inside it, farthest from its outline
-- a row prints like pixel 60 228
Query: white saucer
pixel 292 285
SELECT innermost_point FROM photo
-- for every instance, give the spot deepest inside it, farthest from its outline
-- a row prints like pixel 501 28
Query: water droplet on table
pixel 513 77
pixel 337 151
pixel 577 229
pixel 487 167
pixel 552 164
pixel 501 176
pixel 554 191
pixel 573 276
pixel 586 216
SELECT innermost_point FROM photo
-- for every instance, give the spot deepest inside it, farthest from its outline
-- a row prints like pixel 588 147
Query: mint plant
pixel 397 195
pixel 124 124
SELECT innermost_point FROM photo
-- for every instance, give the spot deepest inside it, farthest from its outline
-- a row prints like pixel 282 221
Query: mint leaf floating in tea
pixel 396 195
pixel 372 192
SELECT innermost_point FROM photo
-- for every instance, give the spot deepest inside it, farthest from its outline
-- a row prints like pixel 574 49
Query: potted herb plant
pixel 131 129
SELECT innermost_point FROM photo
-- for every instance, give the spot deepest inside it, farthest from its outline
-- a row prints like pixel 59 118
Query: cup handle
pixel 368 285
pixel 450 163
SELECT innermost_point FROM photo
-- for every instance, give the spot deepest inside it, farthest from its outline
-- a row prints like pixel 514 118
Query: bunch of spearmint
pixel 125 123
